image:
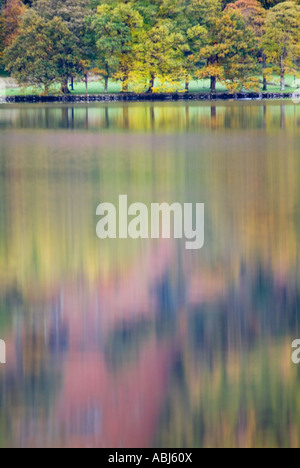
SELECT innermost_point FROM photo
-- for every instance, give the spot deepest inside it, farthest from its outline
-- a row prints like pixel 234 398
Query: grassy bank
pixel 115 87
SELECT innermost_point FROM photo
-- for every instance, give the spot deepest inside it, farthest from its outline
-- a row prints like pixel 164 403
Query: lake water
pixel 125 343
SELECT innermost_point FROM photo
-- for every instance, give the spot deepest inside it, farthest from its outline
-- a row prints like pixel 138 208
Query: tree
pixel 73 13
pixel 204 16
pixel 160 53
pixel 10 20
pixel 238 50
pixel 282 38
pixel 254 16
pixel 181 17
pixel 164 33
pixel 43 53
pixel 229 50
pixel 116 27
pixel 136 41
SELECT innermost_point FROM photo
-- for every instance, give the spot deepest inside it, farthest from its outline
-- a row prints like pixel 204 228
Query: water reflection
pixel 137 344
pixel 148 117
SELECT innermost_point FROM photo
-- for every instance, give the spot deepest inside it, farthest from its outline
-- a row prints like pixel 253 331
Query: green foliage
pixel 43 53
pixel 116 27
pixel 72 12
pixel 161 53
pixel 282 38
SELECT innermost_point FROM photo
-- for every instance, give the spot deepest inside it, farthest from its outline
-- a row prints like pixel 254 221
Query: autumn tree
pixel 73 13
pixel 136 41
pixel 161 53
pixel 169 19
pixel 282 38
pixel 182 17
pixel 116 27
pixel 10 20
pixel 237 52
pixel 43 53
pixel 227 47
pixel 202 34
pixel 254 16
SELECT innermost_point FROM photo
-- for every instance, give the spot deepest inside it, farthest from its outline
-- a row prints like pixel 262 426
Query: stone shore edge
pixel 167 97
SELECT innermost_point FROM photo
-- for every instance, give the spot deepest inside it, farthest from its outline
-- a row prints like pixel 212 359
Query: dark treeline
pixel 150 45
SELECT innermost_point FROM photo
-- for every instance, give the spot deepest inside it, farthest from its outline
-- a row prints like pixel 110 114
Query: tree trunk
pixel 106 85
pixel 125 85
pixel 265 83
pixel 187 86
pixel 152 81
pixel 72 83
pixel 282 72
pixel 282 80
pixel 213 83
pixel 86 80
pixel 65 87
pixel 46 90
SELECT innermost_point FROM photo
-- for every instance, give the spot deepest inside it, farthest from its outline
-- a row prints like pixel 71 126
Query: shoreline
pixel 134 97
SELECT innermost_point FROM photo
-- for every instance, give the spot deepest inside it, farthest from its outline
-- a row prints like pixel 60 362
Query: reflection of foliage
pixel 9 300
pixel 246 315
pixel 123 345
pixel 228 387
pixel 168 118
pixel 86 177
pixel 235 400
pixel 27 388
pixel 233 384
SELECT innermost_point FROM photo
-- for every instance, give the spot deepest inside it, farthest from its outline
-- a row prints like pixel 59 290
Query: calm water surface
pixel 142 343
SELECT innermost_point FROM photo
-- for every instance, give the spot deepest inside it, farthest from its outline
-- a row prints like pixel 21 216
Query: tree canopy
pixel 150 45
pixel 43 53
pixel 282 38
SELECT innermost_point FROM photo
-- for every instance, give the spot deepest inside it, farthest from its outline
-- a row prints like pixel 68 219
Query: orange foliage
pixel 11 20
pixel 253 13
